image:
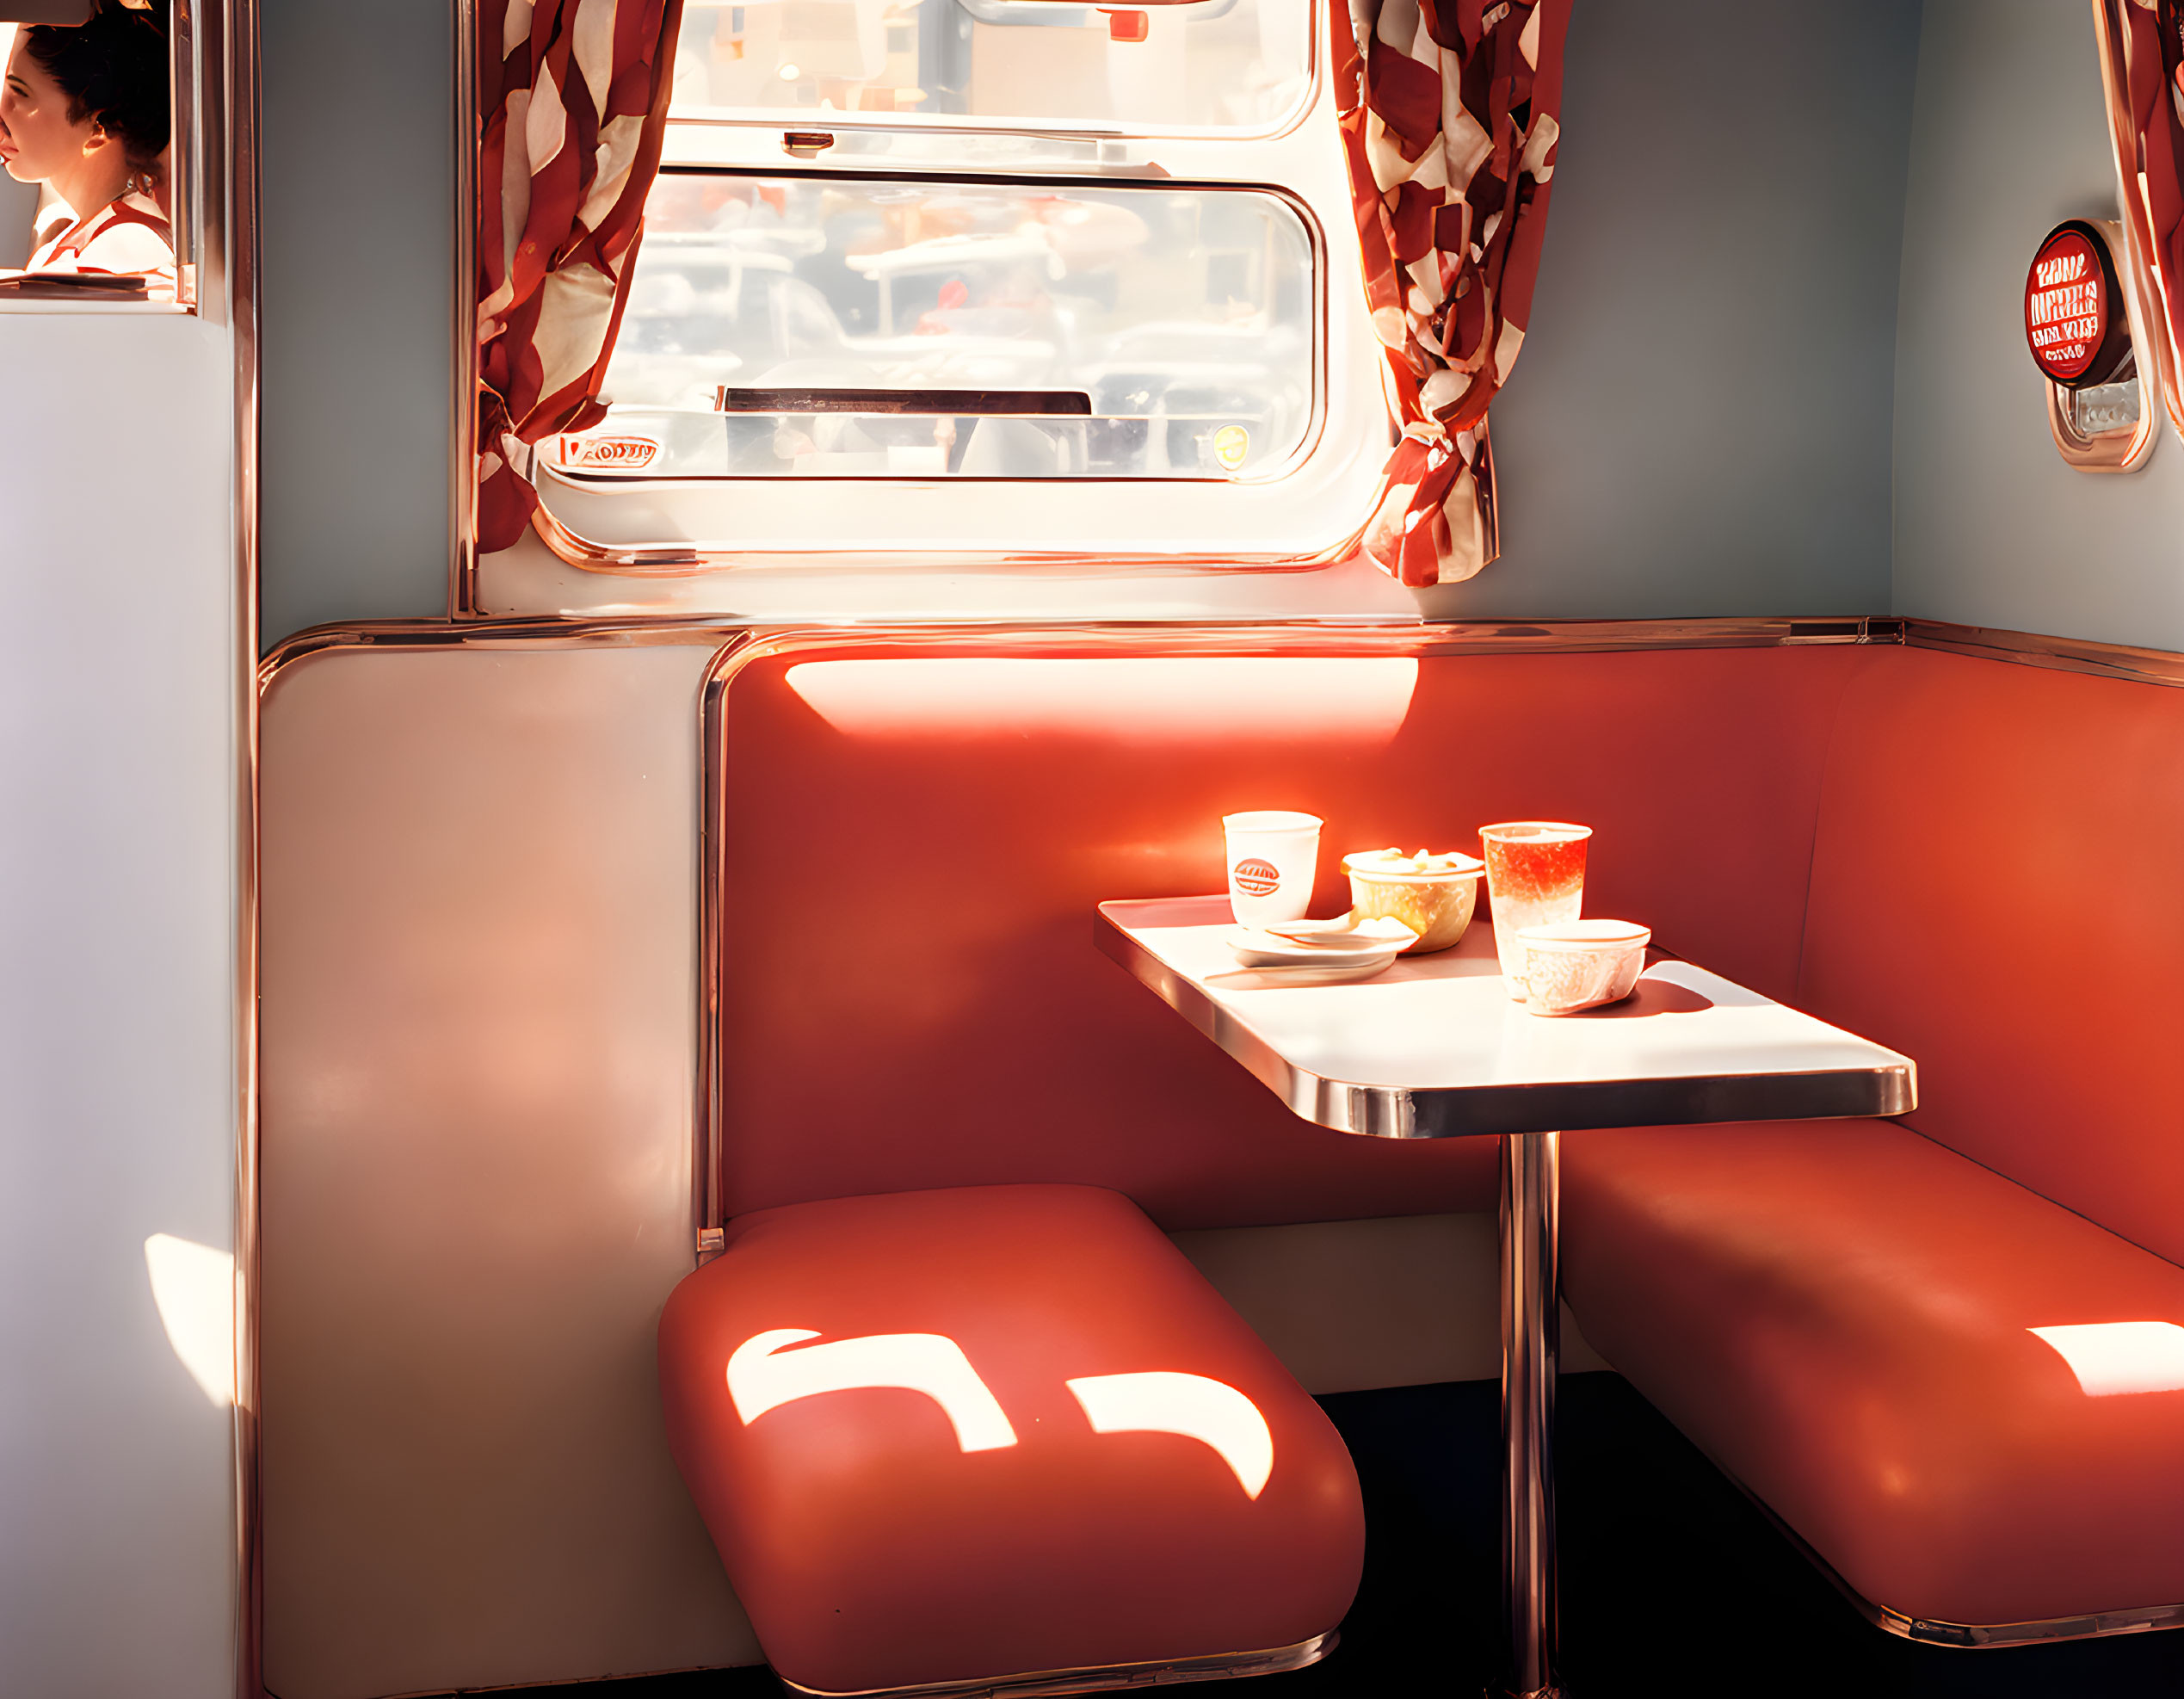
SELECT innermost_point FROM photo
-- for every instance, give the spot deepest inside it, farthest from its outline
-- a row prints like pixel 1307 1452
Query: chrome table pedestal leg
pixel 1531 1340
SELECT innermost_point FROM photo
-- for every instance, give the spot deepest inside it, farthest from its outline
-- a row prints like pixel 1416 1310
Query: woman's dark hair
pixel 113 67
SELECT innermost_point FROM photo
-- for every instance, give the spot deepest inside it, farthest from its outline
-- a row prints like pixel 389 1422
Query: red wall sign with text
pixel 2075 322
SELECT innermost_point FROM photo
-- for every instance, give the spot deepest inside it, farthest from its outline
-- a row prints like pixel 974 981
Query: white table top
pixel 1434 1047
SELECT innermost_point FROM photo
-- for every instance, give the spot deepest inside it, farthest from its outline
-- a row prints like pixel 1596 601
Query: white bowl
pixel 1437 906
pixel 1582 964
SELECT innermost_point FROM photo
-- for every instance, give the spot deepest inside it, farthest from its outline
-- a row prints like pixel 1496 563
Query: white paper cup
pixel 1273 856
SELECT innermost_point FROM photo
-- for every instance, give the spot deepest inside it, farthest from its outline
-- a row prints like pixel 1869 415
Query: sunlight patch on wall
pixel 193 1286
pixel 1347 698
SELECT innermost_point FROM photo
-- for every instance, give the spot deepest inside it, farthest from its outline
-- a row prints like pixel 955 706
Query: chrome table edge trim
pixel 1479 1111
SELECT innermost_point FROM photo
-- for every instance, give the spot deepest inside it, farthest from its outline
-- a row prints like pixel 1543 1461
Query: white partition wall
pixel 118 843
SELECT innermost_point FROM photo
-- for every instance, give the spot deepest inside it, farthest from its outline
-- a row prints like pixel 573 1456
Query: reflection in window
pixel 1075 332
pixel 84 115
pixel 1209 63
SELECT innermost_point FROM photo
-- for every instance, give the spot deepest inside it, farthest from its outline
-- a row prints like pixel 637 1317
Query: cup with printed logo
pixel 1273 856
pixel 1535 876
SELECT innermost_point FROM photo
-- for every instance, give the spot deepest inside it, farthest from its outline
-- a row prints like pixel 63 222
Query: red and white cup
pixel 1274 856
pixel 1535 876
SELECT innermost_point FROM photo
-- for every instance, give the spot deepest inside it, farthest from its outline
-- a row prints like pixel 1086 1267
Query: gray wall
pixel 1699 424
pixel 2009 138
pixel 358 221
pixel 1699 421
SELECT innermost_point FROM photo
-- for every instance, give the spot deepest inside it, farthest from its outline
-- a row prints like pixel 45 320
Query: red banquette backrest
pixel 1998 892
pixel 914 832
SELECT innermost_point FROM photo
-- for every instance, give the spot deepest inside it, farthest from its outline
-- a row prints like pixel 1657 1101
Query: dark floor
pixel 1671 1581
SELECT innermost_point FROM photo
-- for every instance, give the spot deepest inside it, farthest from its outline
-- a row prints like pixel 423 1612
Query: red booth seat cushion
pixel 949 1436
pixel 1841 1314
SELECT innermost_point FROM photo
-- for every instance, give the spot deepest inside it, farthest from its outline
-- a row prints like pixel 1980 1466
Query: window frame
pixel 1275 518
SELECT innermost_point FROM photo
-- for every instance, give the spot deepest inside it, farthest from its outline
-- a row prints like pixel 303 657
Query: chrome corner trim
pixel 1050 1684
pixel 462 353
pixel 1968 1636
pixel 2063 654
pixel 224 40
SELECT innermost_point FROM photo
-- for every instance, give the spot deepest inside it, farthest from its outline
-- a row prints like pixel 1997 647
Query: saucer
pixel 1255 948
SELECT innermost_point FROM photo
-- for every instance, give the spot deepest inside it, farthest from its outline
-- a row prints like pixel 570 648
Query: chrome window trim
pixel 462 323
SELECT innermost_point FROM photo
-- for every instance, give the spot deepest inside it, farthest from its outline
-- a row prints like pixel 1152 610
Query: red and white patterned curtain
pixel 2142 68
pixel 574 98
pixel 1449 114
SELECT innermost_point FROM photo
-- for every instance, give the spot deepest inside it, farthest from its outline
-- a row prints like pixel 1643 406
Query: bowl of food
pixel 1582 964
pixel 1432 895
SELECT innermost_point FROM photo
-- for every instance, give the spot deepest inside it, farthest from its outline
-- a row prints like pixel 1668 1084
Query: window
pixel 883 328
pixel 1039 251
pixel 1217 65
pixel 95 202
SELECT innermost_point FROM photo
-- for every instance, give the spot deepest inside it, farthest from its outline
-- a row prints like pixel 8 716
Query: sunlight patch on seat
pixel 1194 1405
pixel 759 1379
pixel 2109 1358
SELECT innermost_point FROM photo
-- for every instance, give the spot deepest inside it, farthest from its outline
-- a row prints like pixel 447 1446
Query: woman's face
pixel 36 138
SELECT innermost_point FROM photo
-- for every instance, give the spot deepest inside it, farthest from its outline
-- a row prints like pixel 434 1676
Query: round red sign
pixel 1255 878
pixel 2073 323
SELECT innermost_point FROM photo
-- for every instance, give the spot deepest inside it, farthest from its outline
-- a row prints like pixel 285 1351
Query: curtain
pixel 573 95
pixel 2142 70
pixel 1449 124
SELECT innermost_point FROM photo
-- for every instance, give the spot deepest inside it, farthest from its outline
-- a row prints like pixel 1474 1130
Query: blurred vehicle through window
pixel 1148 332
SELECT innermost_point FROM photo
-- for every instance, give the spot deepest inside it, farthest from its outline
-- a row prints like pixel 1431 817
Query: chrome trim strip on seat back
pixel 2065 654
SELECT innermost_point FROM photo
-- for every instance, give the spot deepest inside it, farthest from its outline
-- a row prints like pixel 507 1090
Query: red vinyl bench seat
pixel 1972 862
pixel 1839 1313
pixel 989 1432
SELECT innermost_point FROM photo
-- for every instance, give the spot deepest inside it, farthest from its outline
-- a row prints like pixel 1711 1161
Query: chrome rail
pixel 462 325
pixel 1531 1246
pixel 225 44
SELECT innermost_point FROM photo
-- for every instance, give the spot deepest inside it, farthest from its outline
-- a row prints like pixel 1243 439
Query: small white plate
pixel 1255 948
pixel 1345 931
